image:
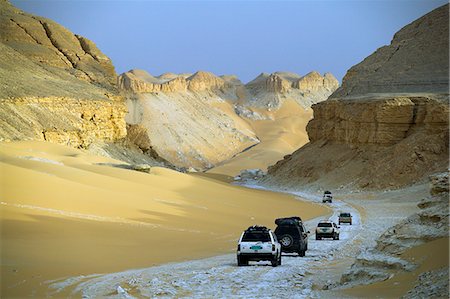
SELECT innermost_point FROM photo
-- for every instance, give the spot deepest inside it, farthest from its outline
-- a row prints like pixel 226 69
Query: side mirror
pixel 308 232
pixel 338 227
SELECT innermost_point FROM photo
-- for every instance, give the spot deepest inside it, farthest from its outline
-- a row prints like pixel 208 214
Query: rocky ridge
pixel 201 120
pixel 271 90
pixel 384 136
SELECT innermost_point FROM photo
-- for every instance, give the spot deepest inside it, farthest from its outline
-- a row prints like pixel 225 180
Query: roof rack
pixel 257 228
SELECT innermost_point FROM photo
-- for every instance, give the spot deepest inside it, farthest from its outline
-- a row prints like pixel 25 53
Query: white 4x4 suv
pixel 258 243
pixel 327 229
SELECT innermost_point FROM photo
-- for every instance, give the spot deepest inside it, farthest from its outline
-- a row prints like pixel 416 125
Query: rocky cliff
pixel 55 85
pixel 387 125
pixel 202 120
pixel 272 90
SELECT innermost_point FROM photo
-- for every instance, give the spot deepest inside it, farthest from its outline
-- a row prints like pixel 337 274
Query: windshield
pixel 256 237
pixel 324 224
pixel 345 215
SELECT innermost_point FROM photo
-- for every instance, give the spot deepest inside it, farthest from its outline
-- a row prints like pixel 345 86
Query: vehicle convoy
pixel 327 229
pixel 292 235
pixel 345 218
pixel 258 243
pixel 327 197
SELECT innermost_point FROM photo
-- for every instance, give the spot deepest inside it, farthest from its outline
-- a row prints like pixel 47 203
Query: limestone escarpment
pixel 416 61
pixel 272 90
pixel 202 120
pixel 384 121
pixel 188 118
pixel 55 85
pixel 71 122
pixel 139 81
pixel 388 135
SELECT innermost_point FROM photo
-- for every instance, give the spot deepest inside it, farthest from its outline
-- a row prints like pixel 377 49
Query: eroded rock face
pixel 55 85
pixel 387 125
pixel 383 121
pixel 139 81
pixel 416 61
pixel 48 43
pixel 272 90
pixel 76 123
pixel 197 120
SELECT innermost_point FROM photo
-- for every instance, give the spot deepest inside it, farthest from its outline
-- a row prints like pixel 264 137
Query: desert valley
pixel 136 185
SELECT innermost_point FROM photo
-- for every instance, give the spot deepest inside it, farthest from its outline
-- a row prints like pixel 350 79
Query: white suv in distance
pixel 258 243
pixel 327 229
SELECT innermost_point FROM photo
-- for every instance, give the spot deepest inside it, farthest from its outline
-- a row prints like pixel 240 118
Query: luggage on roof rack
pixel 288 220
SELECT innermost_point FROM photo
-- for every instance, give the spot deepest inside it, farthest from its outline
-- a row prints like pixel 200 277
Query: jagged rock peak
pixel 416 61
pixel 276 83
pixel 313 81
pixel 202 80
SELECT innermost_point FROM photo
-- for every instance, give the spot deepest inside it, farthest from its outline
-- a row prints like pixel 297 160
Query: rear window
pixel 255 237
pixel 324 224
pixel 345 215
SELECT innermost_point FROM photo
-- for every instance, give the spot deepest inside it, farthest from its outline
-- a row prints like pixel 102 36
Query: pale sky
pixel 243 38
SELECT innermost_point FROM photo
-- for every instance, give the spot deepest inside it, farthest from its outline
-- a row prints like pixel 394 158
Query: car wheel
pixel 242 261
pixel 239 261
pixel 301 253
pixel 286 241
pixel 279 260
pixel 334 237
pixel 274 261
pixel 337 238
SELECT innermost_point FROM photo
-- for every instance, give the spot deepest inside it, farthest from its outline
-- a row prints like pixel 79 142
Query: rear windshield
pixel 255 237
pixel 345 215
pixel 324 224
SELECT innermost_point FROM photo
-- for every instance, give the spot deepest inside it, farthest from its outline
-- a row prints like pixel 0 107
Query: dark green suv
pixel 292 235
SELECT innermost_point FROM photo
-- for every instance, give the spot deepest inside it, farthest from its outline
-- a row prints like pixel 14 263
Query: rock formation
pixel 55 85
pixel 271 90
pixel 203 120
pixel 387 125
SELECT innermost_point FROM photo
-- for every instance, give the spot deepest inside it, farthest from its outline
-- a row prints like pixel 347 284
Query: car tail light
pixel 239 247
pixel 273 247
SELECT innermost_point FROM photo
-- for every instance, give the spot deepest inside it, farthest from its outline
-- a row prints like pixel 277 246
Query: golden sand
pixel 279 137
pixel 429 256
pixel 62 214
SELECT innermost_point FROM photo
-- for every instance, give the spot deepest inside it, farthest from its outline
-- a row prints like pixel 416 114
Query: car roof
pixel 325 221
pixel 257 228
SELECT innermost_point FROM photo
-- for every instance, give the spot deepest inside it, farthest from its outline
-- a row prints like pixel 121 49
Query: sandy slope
pixel 63 214
pixel 279 136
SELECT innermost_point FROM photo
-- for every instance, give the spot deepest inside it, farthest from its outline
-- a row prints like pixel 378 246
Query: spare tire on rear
pixel 286 240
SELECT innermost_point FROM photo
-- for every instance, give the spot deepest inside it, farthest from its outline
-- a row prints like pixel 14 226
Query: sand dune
pixel 281 135
pixel 64 214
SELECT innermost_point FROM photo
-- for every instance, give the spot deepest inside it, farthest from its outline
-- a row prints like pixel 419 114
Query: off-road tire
pixel 242 261
pixel 274 261
pixel 286 239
